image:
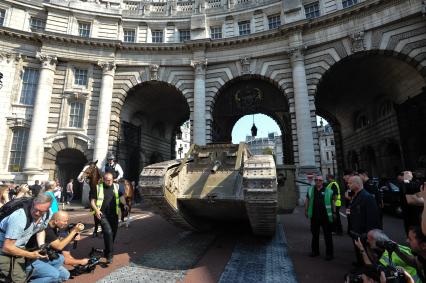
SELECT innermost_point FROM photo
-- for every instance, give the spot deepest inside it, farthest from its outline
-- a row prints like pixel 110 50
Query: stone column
pixel 305 140
pixel 35 147
pixel 199 126
pixel 104 112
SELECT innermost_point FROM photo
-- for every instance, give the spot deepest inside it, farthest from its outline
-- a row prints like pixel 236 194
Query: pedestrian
pixel 371 186
pixel 36 188
pixel 105 204
pixel 15 231
pixel 58 191
pixel 319 209
pixel 411 205
pixel 70 191
pixel 4 194
pixel 363 213
pixel 332 184
pixel 49 189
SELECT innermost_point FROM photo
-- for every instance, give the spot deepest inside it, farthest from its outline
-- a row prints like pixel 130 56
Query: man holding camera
pixel 386 255
pixel 15 231
pixel 105 204
pixel 54 242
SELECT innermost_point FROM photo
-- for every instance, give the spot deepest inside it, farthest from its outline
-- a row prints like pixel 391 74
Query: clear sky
pixel 264 125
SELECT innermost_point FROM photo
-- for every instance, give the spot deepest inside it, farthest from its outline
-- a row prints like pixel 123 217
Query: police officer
pixel 319 205
pixel 113 167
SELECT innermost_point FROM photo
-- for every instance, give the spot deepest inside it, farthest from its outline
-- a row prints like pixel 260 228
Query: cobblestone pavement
pixel 260 260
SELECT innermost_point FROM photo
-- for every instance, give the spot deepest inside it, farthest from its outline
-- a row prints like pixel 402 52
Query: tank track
pixel 152 189
pixel 260 194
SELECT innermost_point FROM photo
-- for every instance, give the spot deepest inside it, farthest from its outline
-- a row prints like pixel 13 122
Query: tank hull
pixel 214 184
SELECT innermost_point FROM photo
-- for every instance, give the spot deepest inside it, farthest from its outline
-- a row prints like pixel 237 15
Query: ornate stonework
pixel 47 61
pixel 108 67
pixel 153 71
pixel 245 65
pixel 199 66
pixel 14 122
pixel 357 40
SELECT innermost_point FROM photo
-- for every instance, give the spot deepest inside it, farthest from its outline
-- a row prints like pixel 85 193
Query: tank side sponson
pixel 152 186
pixel 260 193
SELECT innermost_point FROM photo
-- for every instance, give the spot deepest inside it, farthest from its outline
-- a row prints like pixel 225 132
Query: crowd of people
pixel 36 236
pixel 377 257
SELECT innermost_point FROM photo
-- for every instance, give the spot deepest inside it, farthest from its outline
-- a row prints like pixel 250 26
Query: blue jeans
pixel 48 271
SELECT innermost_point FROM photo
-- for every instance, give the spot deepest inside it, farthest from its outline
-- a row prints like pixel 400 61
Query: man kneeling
pixel 53 267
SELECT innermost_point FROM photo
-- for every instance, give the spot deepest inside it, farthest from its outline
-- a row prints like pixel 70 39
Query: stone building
pixel 272 141
pixel 82 78
pixel 183 140
pixel 327 150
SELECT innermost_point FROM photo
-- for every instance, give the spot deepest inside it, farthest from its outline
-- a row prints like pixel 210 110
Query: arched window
pixel 385 108
pixel 18 149
pixel 76 115
pixel 361 121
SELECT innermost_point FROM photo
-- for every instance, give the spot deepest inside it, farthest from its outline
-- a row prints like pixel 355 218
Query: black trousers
pixel 316 224
pixel 109 224
pixel 337 223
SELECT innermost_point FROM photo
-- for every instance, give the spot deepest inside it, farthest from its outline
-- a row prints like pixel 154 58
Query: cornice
pixel 281 32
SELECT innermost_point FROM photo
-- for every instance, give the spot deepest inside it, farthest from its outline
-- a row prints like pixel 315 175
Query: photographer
pixel 51 238
pixel 383 253
pixel 15 231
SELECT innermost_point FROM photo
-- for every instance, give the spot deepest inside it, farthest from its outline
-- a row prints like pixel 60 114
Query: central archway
pixel 149 120
pixel 251 94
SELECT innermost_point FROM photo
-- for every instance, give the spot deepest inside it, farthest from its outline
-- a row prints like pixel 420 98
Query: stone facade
pixel 114 63
pixel 327 149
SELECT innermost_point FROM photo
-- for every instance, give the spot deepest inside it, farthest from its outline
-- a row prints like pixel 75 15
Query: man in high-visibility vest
pixel 332 184
pixel 319 209
pixel 105 205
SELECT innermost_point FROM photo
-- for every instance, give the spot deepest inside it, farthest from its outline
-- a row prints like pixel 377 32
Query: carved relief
pixel 47 61
pixel 14 122
pixel 245 65
pixel 153 71
pixel 357 40
pixel 8 57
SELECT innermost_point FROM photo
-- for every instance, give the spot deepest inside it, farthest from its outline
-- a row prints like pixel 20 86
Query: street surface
pixel 152 250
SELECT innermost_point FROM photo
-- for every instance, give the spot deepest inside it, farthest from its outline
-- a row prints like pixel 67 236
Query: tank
pixel 214 184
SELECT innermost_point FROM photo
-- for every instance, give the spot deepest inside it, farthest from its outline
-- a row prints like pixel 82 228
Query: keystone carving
pixel 357 40
pixel 47 61
pixel 153 71
pixel 245 65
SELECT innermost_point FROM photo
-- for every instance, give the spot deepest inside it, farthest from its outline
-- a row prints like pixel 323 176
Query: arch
pixel 251 94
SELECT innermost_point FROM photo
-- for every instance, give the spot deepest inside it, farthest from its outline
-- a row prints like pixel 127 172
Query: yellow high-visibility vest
pixel 338 201
pixel 100 197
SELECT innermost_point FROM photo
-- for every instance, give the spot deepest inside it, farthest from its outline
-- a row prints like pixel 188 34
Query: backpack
pixel 10 207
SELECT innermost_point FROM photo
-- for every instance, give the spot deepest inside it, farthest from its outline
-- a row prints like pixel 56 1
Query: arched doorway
pixel 371 97
pixel 247 95
pixel 149 120
pixel 69 163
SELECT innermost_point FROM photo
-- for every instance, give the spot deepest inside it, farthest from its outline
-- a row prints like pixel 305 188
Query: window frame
pixel 312 9
pixel 2 17
pixel 348 3
pixel 184 35
pixel 82 31
pixel 158 35
pixel 126 36
pixel 35 27
pixel 24 97
pixel 214 34
pixel 78 78
pixel 76 118
pixel 19 152
pixel 241 25
pixel 274 21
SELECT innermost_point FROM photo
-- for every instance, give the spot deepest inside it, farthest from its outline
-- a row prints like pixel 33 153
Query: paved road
pixel 152 250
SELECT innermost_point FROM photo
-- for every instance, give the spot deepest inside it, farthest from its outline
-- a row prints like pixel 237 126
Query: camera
pixel 94 260
pixel 354 235
pixel 46 249
pixel 392 274
pixel 390 246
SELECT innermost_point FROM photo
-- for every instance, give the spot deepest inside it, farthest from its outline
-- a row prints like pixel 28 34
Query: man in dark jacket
pixel 373 188
pixel 363 211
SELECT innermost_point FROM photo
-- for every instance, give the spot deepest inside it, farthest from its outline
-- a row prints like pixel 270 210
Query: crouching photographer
pixel 383 260
pixel 52 244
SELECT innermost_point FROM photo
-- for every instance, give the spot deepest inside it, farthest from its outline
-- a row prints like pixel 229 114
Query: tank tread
pixel 151 188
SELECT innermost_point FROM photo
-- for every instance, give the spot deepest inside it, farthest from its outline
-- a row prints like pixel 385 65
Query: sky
pixel 264 125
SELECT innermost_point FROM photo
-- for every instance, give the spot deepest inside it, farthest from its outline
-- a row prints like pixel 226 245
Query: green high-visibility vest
pixel 397 261
pixel 327 201
pixel 100 197
pixel 338 201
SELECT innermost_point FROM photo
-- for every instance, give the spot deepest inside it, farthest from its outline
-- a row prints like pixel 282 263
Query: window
pixel 37 24
pixel 18 149
pixel 76 115
pixel 361 121
pixel 2 16
pixel 274 21
pixel 328 155
pixel 332 141
pixel 385 108
pixel 325 140
pixel 184 35
pixel 329 171
pixel 215 32
pixel 348 3
pixel 312 10
pixel 244 27
pixel 157 36
pixel 29 86
pixel 129 35
pixel 84 29
pixel 80 77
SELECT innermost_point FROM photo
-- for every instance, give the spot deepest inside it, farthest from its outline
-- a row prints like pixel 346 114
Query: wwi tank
pixel 214 184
